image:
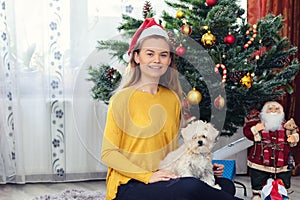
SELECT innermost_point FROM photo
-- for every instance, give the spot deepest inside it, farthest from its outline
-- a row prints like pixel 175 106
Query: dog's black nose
pixel 200 143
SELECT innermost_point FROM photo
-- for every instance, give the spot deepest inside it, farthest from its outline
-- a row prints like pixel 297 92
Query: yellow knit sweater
pixel 141 128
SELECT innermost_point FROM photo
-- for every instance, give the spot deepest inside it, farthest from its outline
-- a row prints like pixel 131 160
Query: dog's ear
pixel 186 134
pixel 212 131
pixel 190 130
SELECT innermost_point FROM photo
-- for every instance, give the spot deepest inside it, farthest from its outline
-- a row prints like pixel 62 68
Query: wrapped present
pixel 229 168
pixel 274 190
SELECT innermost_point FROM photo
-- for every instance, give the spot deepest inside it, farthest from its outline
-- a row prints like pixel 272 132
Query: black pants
pixel 259 178
pixel 187 188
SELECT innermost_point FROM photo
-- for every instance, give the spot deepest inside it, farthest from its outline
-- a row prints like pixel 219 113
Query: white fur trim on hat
pixel 153 30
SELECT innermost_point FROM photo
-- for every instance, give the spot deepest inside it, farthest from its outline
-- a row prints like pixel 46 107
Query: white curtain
pixel 50 127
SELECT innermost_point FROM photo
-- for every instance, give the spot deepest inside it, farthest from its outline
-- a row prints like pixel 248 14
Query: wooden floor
pixel 30 191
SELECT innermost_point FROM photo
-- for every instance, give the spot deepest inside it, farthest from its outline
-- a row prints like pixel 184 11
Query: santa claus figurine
pixel 269 155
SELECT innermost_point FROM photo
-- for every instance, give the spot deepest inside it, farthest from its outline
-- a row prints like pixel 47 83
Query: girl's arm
pixel 112 156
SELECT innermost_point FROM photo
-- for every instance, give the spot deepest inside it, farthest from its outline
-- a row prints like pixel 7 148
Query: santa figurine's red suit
pixel 269 154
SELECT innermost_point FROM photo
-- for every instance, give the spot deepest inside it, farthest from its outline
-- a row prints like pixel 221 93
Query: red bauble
pixel 211 2
pixel 185 104
pixel 229 39
pixel 186 29
pixel 219 102
pixel 180 51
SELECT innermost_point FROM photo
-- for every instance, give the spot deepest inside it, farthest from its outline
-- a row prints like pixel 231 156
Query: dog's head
pixel 199 136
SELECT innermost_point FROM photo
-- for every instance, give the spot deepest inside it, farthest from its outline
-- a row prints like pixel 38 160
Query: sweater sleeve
pixel 113 157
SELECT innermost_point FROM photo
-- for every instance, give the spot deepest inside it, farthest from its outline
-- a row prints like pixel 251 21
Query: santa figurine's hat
pixel 148 27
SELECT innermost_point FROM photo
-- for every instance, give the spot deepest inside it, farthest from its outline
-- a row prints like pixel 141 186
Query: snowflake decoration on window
pixel 129 8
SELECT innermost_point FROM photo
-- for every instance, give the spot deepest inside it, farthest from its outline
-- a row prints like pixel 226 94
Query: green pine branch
pixel 116 48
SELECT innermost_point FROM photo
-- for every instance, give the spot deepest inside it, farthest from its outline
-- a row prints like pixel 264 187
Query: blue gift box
pixel 229 168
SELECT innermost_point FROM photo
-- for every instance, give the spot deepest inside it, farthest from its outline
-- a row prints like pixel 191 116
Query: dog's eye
pixel 203 136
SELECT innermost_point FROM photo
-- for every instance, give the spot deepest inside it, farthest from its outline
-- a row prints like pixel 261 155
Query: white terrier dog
pixel 194 156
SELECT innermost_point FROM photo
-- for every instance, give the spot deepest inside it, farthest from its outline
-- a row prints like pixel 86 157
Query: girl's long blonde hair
pixel 132 73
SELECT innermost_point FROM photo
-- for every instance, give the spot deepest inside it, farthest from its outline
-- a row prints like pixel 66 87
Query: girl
pixel 142 125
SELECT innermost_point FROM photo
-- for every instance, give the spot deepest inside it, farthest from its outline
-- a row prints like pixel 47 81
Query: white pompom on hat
pixel 147 28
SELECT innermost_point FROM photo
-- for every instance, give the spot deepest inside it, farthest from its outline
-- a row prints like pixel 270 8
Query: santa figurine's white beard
pixel 272 121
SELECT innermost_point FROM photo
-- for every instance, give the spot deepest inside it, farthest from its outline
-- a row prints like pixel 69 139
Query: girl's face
pixel 154 58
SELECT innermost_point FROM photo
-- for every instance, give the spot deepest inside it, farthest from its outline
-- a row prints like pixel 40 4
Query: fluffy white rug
pixel 73 194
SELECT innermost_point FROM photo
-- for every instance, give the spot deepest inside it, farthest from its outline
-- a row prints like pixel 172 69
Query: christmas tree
pixel 227 67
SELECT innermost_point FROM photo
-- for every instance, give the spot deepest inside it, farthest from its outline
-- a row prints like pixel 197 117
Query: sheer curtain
pixel 50 127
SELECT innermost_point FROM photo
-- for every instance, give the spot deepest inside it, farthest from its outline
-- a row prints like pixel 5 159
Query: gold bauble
pixel 208 39
pixel 247 81
pixel 179 14
pixel 194 97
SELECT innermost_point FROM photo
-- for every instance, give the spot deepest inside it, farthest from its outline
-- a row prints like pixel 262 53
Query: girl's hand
pixel 218 169
pixel 162 175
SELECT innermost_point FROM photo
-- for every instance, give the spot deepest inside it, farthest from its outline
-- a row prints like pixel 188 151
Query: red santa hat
pixel 148 27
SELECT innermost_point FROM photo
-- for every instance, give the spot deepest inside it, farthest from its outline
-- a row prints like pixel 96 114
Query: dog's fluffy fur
pixel 194 156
